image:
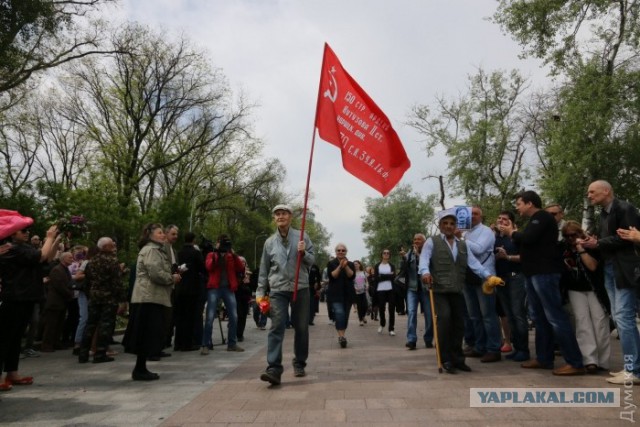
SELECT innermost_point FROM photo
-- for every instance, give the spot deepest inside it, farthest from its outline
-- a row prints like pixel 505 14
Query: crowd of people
pixel 573 288
pixel 69 297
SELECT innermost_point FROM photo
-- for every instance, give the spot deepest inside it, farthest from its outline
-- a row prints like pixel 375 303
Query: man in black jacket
pixel 620 268
pixel 542 266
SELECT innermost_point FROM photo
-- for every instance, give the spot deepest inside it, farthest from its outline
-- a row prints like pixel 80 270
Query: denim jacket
pixel 278 263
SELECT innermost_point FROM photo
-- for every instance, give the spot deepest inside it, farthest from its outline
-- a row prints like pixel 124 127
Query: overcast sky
pixel 402 52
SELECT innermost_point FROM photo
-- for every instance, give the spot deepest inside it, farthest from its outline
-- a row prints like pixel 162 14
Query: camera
pixel 225 245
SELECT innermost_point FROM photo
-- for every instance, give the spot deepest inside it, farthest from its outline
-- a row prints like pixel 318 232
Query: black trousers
pixel 450 317
pixel 384 298
pixel 14 317
pixel 185 313
pixel 242 308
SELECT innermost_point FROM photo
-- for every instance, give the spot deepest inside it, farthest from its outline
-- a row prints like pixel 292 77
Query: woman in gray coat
pixel 151 294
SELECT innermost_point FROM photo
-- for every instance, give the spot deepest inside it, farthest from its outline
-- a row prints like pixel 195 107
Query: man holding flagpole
pixel 278 272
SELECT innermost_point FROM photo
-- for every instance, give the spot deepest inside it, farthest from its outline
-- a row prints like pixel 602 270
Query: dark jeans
pixel 551 320
pixel 513 297
pixel 384 298
pixel 341 312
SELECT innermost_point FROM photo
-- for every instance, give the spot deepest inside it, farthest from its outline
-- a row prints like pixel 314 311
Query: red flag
pixel 347 118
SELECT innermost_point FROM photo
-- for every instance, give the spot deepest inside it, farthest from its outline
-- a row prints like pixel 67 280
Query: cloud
pixel 402 53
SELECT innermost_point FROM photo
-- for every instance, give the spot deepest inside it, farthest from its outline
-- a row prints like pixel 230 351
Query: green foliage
pixel 392 221
pixel 36 35
pixel 594 137
pixel 562 31
pixel 485 134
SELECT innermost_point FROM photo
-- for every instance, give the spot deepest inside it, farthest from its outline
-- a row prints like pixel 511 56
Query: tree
pixel 392 221
pixel 150 108
pixel 593 114
pixel 563 32
pixel 36 35
pixel 485 133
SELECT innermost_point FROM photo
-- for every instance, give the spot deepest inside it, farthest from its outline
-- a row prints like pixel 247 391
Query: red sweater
pixel 234 267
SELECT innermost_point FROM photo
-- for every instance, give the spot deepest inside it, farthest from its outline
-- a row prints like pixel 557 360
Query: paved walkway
pixel 374 381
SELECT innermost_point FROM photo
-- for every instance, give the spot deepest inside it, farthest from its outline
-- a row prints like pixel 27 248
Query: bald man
pixel 620 263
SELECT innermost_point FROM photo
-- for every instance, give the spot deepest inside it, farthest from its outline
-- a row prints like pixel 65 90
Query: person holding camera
pixel 224 268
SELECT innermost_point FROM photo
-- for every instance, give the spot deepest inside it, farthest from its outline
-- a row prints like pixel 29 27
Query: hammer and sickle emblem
pixel 332 85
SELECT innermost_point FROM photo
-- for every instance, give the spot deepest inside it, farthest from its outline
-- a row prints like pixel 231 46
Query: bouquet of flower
pixel 263 304
pixel 74 225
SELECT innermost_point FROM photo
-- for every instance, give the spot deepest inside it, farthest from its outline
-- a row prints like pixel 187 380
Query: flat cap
pixel 282 207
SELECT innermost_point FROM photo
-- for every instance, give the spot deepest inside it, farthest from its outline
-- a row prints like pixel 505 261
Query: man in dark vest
pixel 443 263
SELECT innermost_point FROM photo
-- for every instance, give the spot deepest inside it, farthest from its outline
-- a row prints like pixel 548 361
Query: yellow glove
pixel 489 285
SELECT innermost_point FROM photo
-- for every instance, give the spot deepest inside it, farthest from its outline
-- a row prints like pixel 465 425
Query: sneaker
pixel 361 323
pixel 410 345
pixel 235 348
pixel 299 372
pixel 270 376
pixel 29 352
pixel 392 333
pixel 624 379
pixel 615 374
pixel 204 351
pixel 380 328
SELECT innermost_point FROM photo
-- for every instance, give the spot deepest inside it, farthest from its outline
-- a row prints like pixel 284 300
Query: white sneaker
pixel 361 323
pixel 392 333
pixel 624 379
pixel 380 328
pixel 615 374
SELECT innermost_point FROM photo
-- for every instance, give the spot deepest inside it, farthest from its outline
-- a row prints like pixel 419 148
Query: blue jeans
pixel 229 299
pixel 280 302
pixel 483 315
pixel 623 308
pixel 341 314
pixel 551 320
pixel 414 298
pixel 83 309
pixel 512 297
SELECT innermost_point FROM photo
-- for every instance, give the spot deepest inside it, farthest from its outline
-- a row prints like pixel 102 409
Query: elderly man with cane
pixel 443 262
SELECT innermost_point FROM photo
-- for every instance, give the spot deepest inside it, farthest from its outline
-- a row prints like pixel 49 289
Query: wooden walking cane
pixel 435 328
